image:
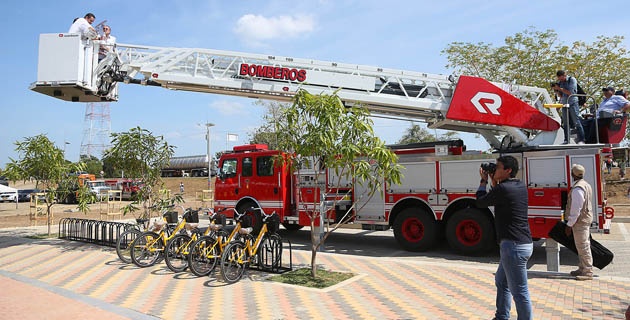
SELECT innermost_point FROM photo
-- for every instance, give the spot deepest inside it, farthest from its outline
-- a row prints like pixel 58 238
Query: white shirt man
pixel 108 43
pixel 83 26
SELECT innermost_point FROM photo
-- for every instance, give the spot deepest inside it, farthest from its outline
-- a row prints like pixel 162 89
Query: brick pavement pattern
pixel 384 288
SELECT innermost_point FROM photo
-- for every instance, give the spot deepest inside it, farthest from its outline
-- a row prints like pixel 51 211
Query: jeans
pixel 511 280
pixel 574 122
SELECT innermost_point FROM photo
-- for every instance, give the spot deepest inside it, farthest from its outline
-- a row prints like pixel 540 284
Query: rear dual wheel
pixel 415 229
pixel 470 231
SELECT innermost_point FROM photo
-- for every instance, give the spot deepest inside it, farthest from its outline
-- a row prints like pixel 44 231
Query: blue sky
pixel 406 35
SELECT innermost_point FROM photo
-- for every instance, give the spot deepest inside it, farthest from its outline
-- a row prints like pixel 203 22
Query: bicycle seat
pixel 247 230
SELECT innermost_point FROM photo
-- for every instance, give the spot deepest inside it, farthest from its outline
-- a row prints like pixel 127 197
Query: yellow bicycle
pixel 148 248
pixel 206 251
pixel 265 249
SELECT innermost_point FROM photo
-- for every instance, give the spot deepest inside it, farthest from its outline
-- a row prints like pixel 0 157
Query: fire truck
pixel 436 197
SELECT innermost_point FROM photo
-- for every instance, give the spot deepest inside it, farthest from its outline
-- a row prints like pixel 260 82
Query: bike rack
pixel 104 233
pixel 281 268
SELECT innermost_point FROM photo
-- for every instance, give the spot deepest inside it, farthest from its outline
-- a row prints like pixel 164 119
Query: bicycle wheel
pixel 269 252
pixel 123 244
pixel 146 249
pixel 203 257
pixel 233 261
pixel 176 253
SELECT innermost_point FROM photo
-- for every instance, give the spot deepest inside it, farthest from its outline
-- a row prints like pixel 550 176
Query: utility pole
pixel 208 125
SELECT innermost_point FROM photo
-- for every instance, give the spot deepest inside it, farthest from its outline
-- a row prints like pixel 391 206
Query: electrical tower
pixel 96 129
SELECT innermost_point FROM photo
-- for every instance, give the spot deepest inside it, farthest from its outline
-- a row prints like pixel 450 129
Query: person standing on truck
pixel 83 26
pixel 580 216
pixel 108 44
pixel 567 86
pixel 509 198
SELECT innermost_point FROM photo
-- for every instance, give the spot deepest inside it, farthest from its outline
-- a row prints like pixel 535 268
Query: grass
pixel 302 277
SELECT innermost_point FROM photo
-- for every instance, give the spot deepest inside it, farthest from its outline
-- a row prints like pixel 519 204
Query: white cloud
pixel 258 28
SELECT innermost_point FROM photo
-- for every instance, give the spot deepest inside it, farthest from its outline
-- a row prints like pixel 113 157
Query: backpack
pixel 582 98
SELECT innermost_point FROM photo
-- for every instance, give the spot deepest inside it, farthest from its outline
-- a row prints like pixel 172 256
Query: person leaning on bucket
pixel 580 216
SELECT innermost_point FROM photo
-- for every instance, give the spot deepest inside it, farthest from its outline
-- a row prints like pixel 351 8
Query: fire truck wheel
pixel 415 230
pixel 292 227
pixel 470 232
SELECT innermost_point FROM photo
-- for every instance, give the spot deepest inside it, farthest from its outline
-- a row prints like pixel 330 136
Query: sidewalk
pixel 57 279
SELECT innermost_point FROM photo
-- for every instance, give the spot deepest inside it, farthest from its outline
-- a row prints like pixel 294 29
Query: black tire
pixel 292 227
pixel 415 230
pixel 256 217
pixel 234 260
pixel 146 249
pixel 204 255
pixel 176 253
pixel 470 231
pixel 123 244
pixel 270 252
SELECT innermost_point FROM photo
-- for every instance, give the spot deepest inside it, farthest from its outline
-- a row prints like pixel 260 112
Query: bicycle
pixel 148 248
pixel 123 244
pixel 177 249
pixel 205 252
pixel 265 249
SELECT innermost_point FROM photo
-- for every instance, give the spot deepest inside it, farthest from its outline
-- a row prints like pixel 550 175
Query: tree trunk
pixel 48 219
pixel 314 246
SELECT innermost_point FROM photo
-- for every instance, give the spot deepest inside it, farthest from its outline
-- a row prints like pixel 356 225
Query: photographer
pixel 567 87
pixel 509 198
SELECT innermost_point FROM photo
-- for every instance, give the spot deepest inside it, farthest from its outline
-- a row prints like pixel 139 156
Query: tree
pixel 318 131
pixel 415 133
pixel 141 155
pixel 532 58
pixel 266 133
pixel 41 160
pixel 92 164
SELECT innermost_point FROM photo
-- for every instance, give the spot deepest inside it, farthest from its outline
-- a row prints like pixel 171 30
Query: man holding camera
pixel 509 198
pixel 566 88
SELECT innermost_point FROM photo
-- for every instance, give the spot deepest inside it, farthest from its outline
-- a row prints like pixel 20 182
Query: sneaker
pixel 580 142
pixel 584 277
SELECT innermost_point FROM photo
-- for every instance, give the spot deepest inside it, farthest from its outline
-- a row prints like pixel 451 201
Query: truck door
pixel 227 183
pixel 589 163
pixel 266 183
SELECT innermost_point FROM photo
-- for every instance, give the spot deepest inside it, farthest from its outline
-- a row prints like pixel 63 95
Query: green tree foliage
pixel 92 164
pixel 532 58
pixel 415 133
pixel 41 160
pixel 318 131
pixel 141 155
pixel 266 133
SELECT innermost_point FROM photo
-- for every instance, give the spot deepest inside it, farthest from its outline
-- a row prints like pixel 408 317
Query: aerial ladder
pixel 506 115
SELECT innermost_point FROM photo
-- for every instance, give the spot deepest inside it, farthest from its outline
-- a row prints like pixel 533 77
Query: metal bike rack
pixel 104 233
pixel 280 268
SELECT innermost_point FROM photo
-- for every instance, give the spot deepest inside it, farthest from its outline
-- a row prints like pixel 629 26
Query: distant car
pixel 24 195
pixel 7 196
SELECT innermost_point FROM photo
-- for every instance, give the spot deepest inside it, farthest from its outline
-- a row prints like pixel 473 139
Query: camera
pixel 489 167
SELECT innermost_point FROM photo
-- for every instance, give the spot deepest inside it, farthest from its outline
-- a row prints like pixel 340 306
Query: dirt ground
pixel 616 190
pixel 10 216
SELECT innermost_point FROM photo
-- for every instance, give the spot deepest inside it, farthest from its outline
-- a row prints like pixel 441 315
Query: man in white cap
pixel 579 215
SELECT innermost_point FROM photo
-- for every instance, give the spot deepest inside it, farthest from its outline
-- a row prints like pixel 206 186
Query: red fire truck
pixel 436 196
